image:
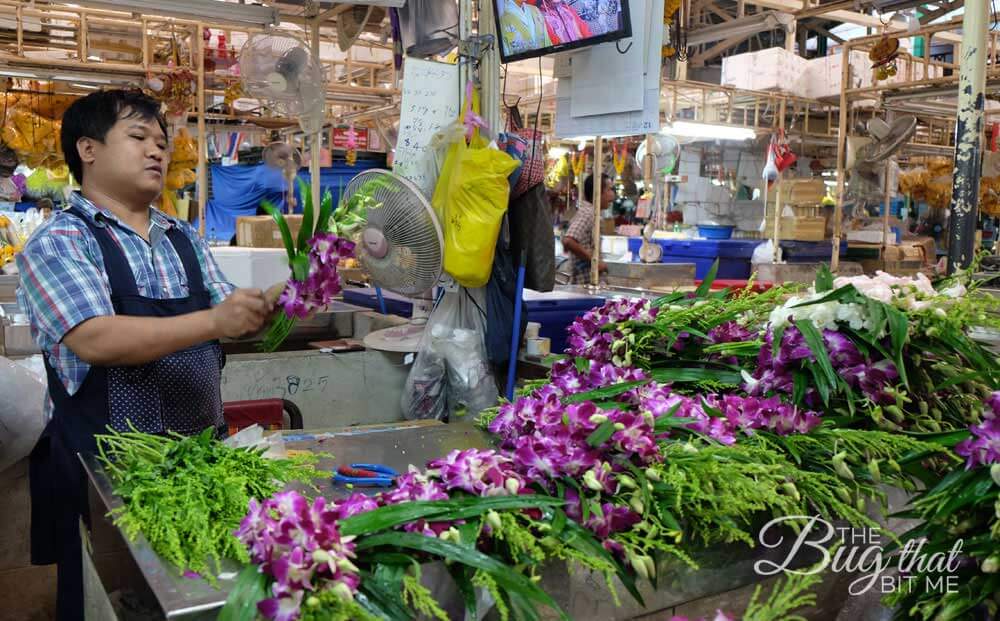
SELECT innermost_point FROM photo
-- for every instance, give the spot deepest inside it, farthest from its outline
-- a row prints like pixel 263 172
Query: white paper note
pixel 430 102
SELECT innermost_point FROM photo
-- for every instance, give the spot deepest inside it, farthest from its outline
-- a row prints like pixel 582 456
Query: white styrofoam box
pixel 614 245
pixel 773 69
pixel 257 268
pixel 824 75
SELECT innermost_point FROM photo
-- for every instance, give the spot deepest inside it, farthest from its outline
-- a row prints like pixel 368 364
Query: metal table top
pixel 581 595
pixel 397 446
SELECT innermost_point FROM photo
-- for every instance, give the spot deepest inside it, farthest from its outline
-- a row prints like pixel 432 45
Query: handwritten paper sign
pixel 430 102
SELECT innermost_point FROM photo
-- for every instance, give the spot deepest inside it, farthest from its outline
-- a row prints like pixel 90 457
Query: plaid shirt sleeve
pixel 581 227
pixel 215 281
pixel 62 285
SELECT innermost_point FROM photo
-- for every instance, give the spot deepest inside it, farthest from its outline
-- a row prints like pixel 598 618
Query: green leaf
pixel 665 423
pixel 386 599
pixel 899 329
pixel 706 283
pixel 510 580
pixel 671 298
pixel 582 365
pixel 602 434
pixel 601 394
pixel 462 575
pixel 824 279
pixel 695 375
pixel 443 510
pixel 305 231
pixel 776 335
pixel 300 267
pixel 954 380
pixel 558 521
pixel 814 339
pixel 845 293
pixel 286 234
pixel 800 384
pixel 325 211
pixel 583 540
pixel 250 588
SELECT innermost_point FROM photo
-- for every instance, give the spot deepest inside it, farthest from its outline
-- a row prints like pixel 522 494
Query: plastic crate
pixel 809 252
pixel 555 311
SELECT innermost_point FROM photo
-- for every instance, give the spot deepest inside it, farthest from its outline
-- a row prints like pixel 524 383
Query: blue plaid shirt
pixel 63 282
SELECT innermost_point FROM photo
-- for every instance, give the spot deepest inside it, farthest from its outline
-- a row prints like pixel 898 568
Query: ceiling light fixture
pixel 216 11
pixel 705 131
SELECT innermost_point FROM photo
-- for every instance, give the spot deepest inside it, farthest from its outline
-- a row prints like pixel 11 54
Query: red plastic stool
pixel 268 413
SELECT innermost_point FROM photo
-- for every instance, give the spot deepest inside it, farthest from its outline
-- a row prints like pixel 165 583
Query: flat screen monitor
pixel 530 28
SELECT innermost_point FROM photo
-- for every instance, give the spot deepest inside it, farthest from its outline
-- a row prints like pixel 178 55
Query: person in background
pixel 127 306
pixel 579 238
pixel 562 22
pixel 45 207
pixel 522 27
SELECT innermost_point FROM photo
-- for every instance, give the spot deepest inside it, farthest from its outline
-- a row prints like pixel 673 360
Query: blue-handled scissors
pixel 366 475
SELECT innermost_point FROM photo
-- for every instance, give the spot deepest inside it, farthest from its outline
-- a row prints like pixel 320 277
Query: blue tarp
pixel 239 190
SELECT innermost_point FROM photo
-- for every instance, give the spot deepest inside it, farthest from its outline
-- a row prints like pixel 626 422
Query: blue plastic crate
pixel 733 254
pixel 555 311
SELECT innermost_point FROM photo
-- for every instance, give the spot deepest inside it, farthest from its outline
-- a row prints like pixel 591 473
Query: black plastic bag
pixel 500 293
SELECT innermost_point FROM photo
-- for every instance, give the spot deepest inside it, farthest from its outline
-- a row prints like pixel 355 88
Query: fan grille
pixel 399 211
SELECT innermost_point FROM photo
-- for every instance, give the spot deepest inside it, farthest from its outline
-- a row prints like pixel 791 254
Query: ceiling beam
pixel 699 60
pixel 942 10
pixel 823 31
pixel 822 9
pixel 851 17
pixel 714 8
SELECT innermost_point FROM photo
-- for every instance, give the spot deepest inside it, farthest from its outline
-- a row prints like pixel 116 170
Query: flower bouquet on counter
pixel 313 258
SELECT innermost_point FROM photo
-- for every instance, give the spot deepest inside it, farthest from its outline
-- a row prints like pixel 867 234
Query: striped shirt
pixel 63 282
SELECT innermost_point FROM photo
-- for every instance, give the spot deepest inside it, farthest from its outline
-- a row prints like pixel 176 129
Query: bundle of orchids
pixel 313 256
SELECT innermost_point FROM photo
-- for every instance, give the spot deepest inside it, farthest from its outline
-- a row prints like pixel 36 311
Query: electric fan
pixel 287 159
pixel 280 69
pixel 401 249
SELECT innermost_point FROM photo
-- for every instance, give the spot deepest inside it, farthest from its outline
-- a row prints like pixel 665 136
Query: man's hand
pixel 243 312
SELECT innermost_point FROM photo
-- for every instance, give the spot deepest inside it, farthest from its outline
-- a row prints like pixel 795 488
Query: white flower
pixel 957 290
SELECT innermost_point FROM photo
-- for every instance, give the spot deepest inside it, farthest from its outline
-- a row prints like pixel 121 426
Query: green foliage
pixel 419 598
pixel 328 606
pixel 787 595
pixel 186 496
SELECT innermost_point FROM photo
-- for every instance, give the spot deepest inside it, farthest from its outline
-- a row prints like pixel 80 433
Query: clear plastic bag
pixel 451 374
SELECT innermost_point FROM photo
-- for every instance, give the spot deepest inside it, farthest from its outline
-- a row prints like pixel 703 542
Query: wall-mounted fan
pixel 287 159
pixel 867 156
pixel 280 69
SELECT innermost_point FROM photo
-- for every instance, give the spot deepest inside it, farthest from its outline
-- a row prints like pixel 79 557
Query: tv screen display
pixel 529 28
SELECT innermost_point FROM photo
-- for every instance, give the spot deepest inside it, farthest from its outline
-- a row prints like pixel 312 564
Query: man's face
pixel 132 160
pixel 607 194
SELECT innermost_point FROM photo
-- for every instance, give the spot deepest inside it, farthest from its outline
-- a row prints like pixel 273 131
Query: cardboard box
pixel 773 69
pixel 262 231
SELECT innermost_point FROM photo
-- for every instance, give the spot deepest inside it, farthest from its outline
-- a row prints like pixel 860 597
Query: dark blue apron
pixel 180 392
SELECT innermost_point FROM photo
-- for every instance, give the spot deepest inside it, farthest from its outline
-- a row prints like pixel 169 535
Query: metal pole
pixel 844 113
pixel 199 45
pixel 595 253
pixel 316 139
pixel 968 132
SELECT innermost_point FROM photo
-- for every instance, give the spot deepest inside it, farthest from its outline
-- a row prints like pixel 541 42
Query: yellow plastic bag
pixel 470 199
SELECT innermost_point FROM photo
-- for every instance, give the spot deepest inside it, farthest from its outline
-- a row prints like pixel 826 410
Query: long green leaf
pixel 325 211
pixel 602 434
pixel 393 515
pixel 250 588
pixel 501 573
pixel 824 279
pixel 601 394
pixel 462 575
pixel 583 540
pixel 706 283
pixel 688 375
pixel 286 234
pixel 899 329
pixel 305 232
pixel 814 339
pixel 845 293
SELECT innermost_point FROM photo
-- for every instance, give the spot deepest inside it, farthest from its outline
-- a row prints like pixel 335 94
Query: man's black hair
pixel 94 115
pixel 588 186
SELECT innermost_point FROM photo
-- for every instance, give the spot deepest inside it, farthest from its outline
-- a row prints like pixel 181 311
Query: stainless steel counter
pixel 583 596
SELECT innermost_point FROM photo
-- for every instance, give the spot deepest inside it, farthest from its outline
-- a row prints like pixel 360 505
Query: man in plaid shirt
pixel 578 240
pixel 127 306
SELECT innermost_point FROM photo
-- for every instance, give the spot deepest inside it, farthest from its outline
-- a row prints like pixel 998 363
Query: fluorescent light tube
pixel 704 131
pixel 214 12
